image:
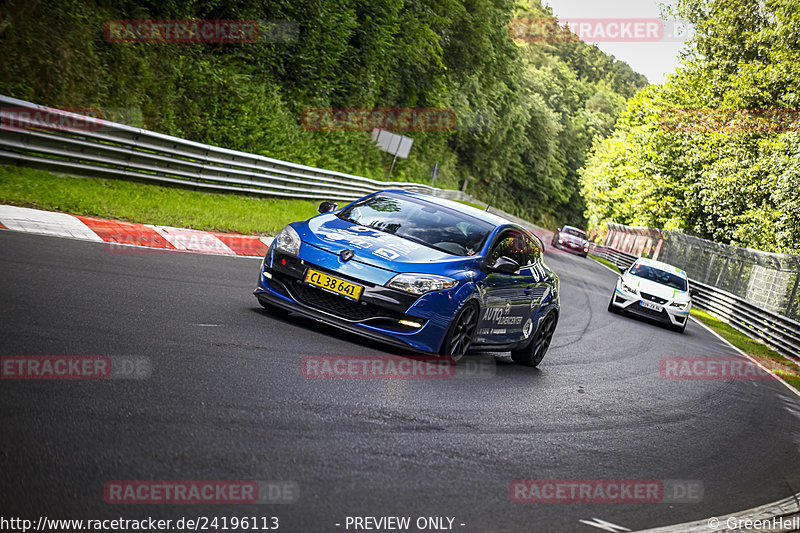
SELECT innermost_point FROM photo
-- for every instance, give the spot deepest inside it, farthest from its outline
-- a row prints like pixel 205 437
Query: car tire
pixel 462 331
pixel 679 329
pixel 535 351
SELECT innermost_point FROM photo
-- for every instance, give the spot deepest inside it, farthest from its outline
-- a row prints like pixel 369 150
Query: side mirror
pixel 622 270
pixel 327 207
pixel 505 265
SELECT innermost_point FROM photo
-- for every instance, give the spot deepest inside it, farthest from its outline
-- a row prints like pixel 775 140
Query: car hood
pixel 656 289
pixel 378 248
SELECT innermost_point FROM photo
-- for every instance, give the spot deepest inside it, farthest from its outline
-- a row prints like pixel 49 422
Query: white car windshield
pixel 659 276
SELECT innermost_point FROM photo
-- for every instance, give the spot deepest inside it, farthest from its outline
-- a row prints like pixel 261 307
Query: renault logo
pixel 347 255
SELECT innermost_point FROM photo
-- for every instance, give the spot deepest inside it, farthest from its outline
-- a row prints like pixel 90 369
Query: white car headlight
pixel 628 288
pixel 421 283
pixel 287 241
pixel 680 305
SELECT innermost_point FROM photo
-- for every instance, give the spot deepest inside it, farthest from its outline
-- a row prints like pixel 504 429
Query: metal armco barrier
pixel 76 144
pixel 776 331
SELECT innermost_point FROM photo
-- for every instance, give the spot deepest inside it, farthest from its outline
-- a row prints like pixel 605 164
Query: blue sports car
pixel 418 272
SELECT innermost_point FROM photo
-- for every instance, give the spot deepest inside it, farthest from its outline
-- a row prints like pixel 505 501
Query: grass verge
pixel 771 359
pixel 473 204
pixel 767 356
pixel 605 262
pixel 149 204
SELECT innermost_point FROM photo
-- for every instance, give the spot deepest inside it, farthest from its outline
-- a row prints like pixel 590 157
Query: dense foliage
pixel 527 113
pixel 730 169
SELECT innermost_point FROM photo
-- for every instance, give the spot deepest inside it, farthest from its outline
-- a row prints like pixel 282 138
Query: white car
pixel 654 290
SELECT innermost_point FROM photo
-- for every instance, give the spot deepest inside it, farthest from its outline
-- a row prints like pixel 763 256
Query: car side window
pixel 503 247
pixel 516 245
pixel 532 251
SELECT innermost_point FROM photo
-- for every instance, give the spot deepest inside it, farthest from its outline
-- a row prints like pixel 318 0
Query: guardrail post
pixel 723 271
pixel 735 287
pixel 790 303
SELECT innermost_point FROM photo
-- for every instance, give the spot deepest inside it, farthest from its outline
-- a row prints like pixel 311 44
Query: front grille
pixel 336 305
pixel 652 298
pixel 652 313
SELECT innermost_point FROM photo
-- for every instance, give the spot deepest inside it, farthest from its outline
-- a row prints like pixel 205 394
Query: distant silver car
pixel 654 290
pixel 571 239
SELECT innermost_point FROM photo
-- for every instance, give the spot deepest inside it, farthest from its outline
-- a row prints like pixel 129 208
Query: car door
pixel 539 287
pixel 507 302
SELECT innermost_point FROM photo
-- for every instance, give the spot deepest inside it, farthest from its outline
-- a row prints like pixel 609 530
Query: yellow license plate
pixel 330 283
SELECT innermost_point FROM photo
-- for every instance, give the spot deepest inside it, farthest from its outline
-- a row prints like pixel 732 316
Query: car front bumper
pixel 381 313
pixel 570 246
pixel 667 314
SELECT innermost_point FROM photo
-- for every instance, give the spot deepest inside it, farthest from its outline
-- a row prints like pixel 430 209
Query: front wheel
pixel 533 354
pixel 461 332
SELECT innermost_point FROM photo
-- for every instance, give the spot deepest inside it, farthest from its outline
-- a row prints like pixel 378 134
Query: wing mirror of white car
pixel 622 270
pixel 505 265
pixel 327 207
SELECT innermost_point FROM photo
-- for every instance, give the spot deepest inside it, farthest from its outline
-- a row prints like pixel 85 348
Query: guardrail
pixel 780 333
pixel 81 145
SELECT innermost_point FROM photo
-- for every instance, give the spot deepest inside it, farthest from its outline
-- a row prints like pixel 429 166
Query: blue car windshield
pixel 439 227
pixel 659 276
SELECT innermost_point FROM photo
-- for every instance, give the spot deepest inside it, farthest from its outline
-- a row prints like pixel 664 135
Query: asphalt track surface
pixel 226 400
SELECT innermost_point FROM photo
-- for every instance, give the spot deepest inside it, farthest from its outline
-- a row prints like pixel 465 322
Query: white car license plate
pixel 650 305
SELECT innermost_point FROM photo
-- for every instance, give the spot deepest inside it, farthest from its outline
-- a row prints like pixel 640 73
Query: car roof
pixel 662 266
pixel 486 216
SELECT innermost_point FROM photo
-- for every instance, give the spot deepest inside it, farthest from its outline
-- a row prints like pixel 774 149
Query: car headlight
pixel 421 283
pixel 626 287
pixel 287 241
pixel 680 305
